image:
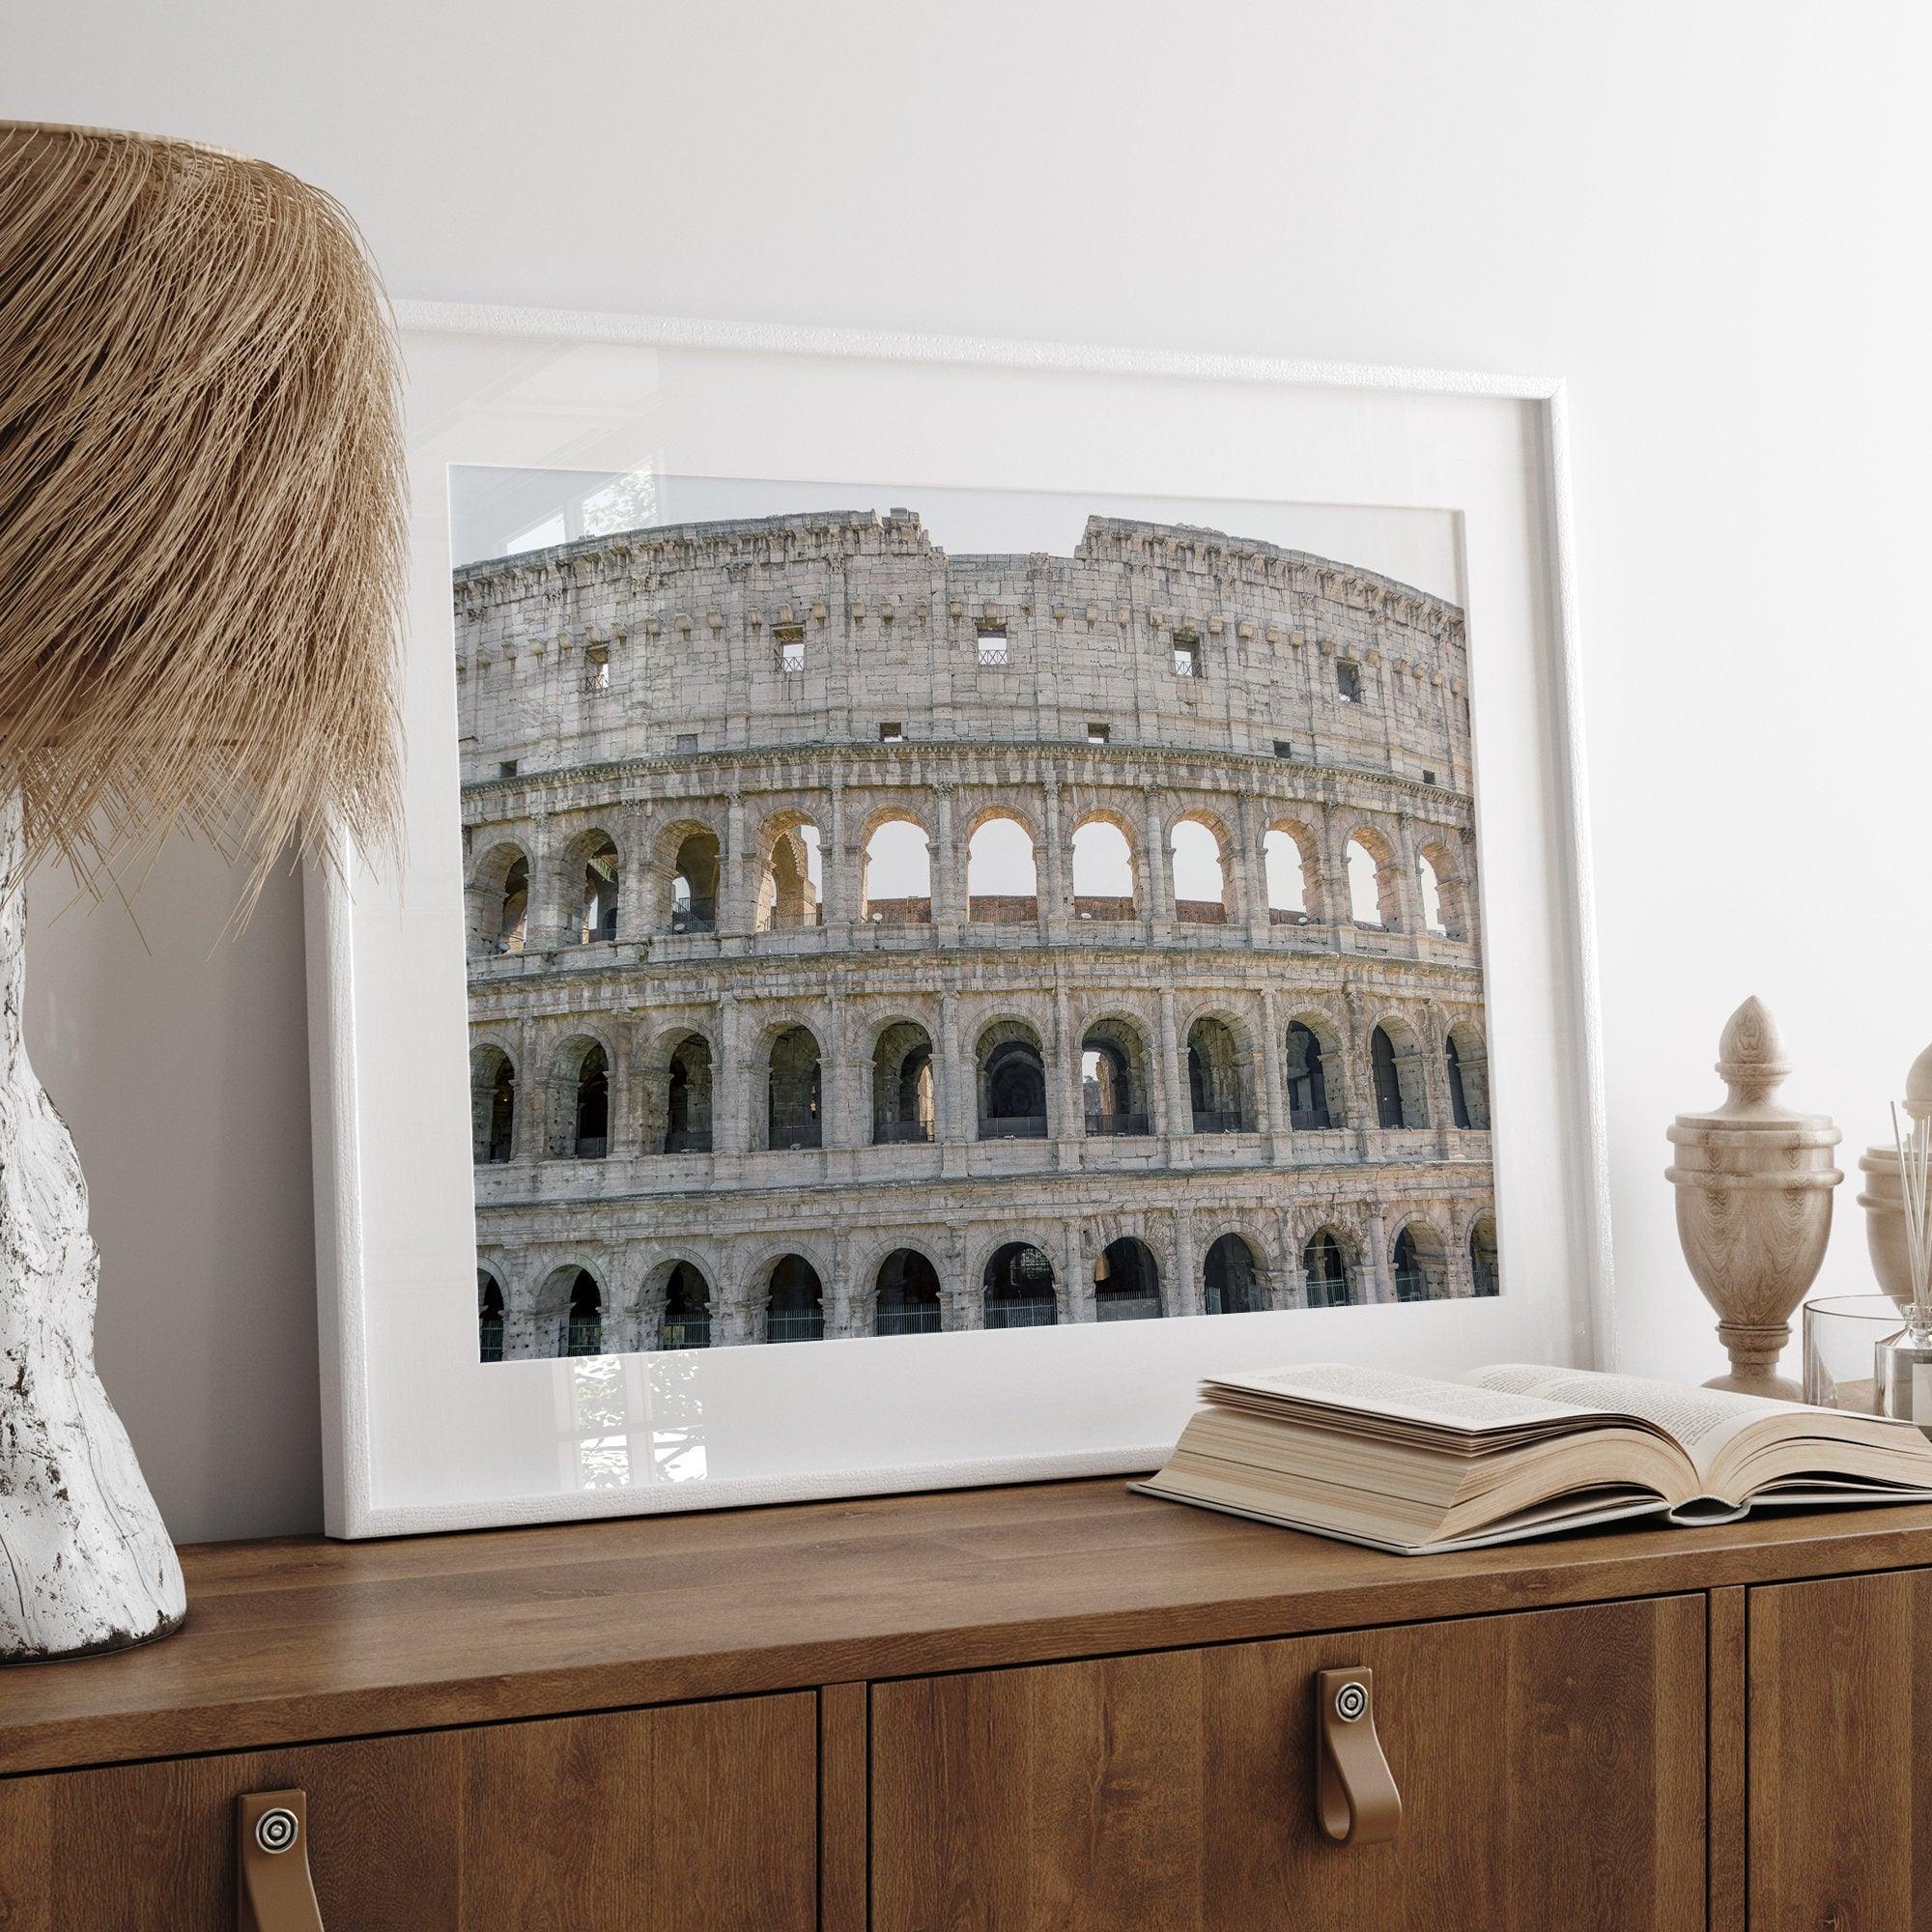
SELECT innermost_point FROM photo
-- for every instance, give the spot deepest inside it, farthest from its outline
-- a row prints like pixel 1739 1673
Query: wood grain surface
pixel 697 1818
pixel 302 1640
pixel 1551 1765
pixel 1840 1739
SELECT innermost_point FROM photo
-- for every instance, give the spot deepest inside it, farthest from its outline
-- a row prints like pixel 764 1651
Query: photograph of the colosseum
pixel 868 939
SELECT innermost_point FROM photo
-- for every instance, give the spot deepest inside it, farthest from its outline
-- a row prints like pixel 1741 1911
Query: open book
pixel 1407 1463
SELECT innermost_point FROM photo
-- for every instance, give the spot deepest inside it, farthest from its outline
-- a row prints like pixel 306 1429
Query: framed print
pixel 952 889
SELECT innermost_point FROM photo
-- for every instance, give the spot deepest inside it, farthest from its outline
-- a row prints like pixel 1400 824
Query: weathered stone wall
pixel 1085 718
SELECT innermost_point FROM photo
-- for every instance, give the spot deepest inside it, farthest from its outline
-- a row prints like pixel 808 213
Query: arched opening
pixel 903 1100
pixel 1325 1266
pixel 693 884
pixel 591 1140
pixel 1104 887
pixel 791 893
pixel 1307 1080
pixel 1216 1087
pixel 1395 1071
pixel 1017 1287
pixel 1285 864
pixel 907 1297
pixel 1231 1280
pixel 513 920
pixel 1126 1282
pixel 489 1316
pixel 1430 886
pixel 584 1319
pixel 1419 1263
pixel 898 885
pixel 1444 893
pixel 1484 1265
pixel 496 903
pixel 686 1321
pixel 795 1307
pixel 688 1096
pixel 792 1097
pixel 1013 1083
pixel 1365 895
pixel 1467 1066
pixel 1001 879
pixel 597 910
pixel 1199 875
pixel 1113 1079
pixel 492 1105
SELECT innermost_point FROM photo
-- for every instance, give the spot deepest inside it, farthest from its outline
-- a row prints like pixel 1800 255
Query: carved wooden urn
pixel 1883 1199
pixel 1753 1182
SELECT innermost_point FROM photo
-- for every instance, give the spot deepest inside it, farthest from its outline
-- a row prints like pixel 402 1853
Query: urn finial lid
pixel 1752 1062
pixel 1918 1087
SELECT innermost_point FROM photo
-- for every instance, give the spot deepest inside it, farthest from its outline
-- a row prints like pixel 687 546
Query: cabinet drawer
pixel 1551 1765
pixel 689 1818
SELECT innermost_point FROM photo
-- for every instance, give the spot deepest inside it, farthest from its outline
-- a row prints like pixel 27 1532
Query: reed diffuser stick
pixel 1914 1138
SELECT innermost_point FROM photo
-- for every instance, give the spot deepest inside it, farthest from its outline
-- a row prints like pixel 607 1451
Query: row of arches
pixel 1107 878
pixel 1017 1288
pixel 1119 1088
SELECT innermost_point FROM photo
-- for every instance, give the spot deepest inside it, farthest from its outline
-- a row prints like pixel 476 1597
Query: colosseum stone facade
pixel 731 1083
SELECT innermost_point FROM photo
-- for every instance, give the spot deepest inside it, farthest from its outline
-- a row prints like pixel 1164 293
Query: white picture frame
pixel 421 1436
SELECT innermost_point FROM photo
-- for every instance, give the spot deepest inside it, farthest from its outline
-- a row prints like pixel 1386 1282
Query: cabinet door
pixel 691 1818
pixel 1551 1765
pixel 1840 1738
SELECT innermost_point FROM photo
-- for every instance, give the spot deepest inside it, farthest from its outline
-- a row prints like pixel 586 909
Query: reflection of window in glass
pixel 1186 654
pixel 788 641
pixel 539 536
pixel 626 504
pixel 992 645
pixel 1347 681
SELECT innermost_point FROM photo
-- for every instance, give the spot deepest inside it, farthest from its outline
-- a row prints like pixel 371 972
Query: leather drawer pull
pixel 1356 1798
pixel 272 1889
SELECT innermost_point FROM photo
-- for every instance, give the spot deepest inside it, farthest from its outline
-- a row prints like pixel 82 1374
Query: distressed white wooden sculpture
pixel 1882 1199
pixel 85 1561
pixel 1754 1185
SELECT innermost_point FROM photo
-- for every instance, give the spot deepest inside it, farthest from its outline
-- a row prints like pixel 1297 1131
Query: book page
pixel 1703 1421
pixel 1462 1405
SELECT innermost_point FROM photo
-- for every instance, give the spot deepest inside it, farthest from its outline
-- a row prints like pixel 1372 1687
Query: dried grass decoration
pixel 201 536
pixel 201 565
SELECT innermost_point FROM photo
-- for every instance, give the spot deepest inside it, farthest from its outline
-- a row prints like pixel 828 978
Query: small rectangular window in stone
pixel 992 646
pixel 1186 654
pixel 1097 734
pixel 686 741
pixel 1348 680
pixel 1283 749
pixel 597 667
pixel 507 768
pixel 1428 778
pixel 892 734
pixel 788 639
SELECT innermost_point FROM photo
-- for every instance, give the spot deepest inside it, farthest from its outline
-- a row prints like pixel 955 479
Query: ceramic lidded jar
pixel 1753 1182
pixel 1883 1201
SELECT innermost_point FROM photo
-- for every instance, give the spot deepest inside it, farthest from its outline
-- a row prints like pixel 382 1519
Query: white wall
pixel 1709 216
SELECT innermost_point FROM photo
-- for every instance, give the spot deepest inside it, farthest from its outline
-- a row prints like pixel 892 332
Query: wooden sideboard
pixel 1049 1709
